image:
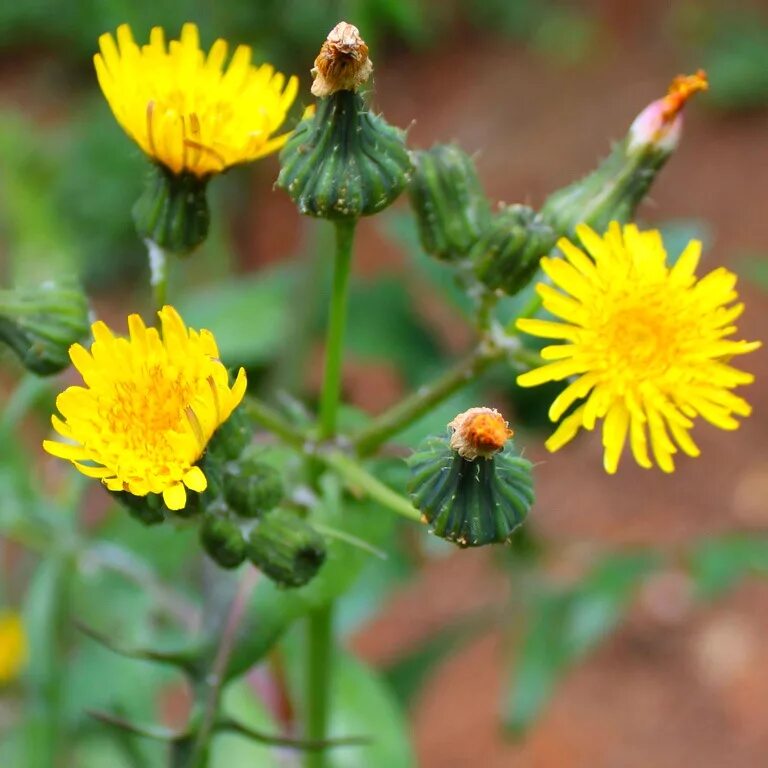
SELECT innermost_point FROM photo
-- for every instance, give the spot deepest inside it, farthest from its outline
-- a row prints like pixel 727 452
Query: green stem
pixel 424 399
pixel 158 273
pixel 274 422
pixel 319 644
pixel 359 478
pixel 329 400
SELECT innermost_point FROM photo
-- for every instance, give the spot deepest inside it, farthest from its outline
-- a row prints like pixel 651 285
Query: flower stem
pixel 158 273
pixel 329 400
pixel 319 645
pixel 424 399
pixel 273 421
pixel 319 625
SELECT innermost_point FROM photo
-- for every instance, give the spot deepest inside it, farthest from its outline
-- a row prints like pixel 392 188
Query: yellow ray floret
pixel 645 346
pixel 184 109
pixel 149 406
pixel 13 646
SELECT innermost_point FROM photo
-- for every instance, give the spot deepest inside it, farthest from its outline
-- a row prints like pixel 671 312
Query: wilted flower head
pixel 13 646
pixel 149 406
pixel 647 344
pixel 479 432
pixel 343 63
pixel 183 109
pixel 661 122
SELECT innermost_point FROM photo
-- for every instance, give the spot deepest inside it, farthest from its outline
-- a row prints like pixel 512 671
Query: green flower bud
pixel 252 487
pixel 472 488
pixel 506 257
pixel 448 199
pixel 221 537
pixel 286 548
pixel 172 211
pixel 232 437
pixel 40 324
pixel 344 162
pixel 148 509
pixel 614 190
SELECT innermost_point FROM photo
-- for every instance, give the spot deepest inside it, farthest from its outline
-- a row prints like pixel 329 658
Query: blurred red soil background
pixel 678 685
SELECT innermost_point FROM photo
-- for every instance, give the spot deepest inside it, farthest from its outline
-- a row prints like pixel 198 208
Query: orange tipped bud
pixel 681 89
pixel 343 63
pixel 479 432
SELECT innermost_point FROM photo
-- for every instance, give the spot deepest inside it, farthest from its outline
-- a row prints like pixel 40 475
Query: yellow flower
pixel 148 410
pixel 13 646
pixel 183 109
pixel 647 344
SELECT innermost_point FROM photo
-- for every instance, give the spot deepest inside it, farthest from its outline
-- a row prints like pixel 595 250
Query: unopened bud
pixel 148 509
pixel 448 199
pixel 286 548
pixel 221 537
pixel 466 501
pixel 506 256
pixel 252 487
pixel 343 63
pixel 172 211
pixel 41 324
pixel 615 189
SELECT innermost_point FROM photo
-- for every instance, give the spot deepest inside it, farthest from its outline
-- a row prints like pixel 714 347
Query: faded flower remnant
pixel 149 406
pixel 479 432
pixel 184 109
pixel 647 344
pixel 343 63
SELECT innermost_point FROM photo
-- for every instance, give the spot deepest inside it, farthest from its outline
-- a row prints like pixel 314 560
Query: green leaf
pixel 564 625
pixel 719 564
pixel 264 298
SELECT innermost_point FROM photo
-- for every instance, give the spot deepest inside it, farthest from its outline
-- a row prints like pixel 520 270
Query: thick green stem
pixel 424 399
pixel 158 273
pixel 274 422
pixel 319 644
pixel 329 400
pixel 319 637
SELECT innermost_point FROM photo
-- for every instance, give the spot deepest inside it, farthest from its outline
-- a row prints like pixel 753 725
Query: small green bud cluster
pixel 40 324
pixel 239 515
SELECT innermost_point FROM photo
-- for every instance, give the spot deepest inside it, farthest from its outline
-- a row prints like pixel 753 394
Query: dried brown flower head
pixel 343 63
pixel 479 432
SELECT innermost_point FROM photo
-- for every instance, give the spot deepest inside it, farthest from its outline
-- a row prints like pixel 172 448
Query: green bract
pixel 470 503
pixel 344 162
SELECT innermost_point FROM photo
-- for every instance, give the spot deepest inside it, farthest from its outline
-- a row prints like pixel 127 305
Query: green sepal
pixel 286 548
pixel 172 211
pixel 148 509
pixel 252 487
pixel 41 323
pixel 506 257
pixel 232 437
pixel 612 192
pixel 470 503
pixel 221 536
pixel 448 200
pixel 344 162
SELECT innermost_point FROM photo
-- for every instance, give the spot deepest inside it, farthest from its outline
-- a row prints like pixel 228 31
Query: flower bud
pixel 614 190
pixel 232 437
pixel 472 489
pixel 286 548
pixel 41 324
pixel 221 537
pixel 506 257
pixel 252 487
pixel 447 197
pixel 343 162
pixel 172 211
pixel 148 509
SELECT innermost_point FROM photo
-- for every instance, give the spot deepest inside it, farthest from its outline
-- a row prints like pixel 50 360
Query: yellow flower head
pixel 647 344
pixel 183 109
pixel 149 406
pixel 13 646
